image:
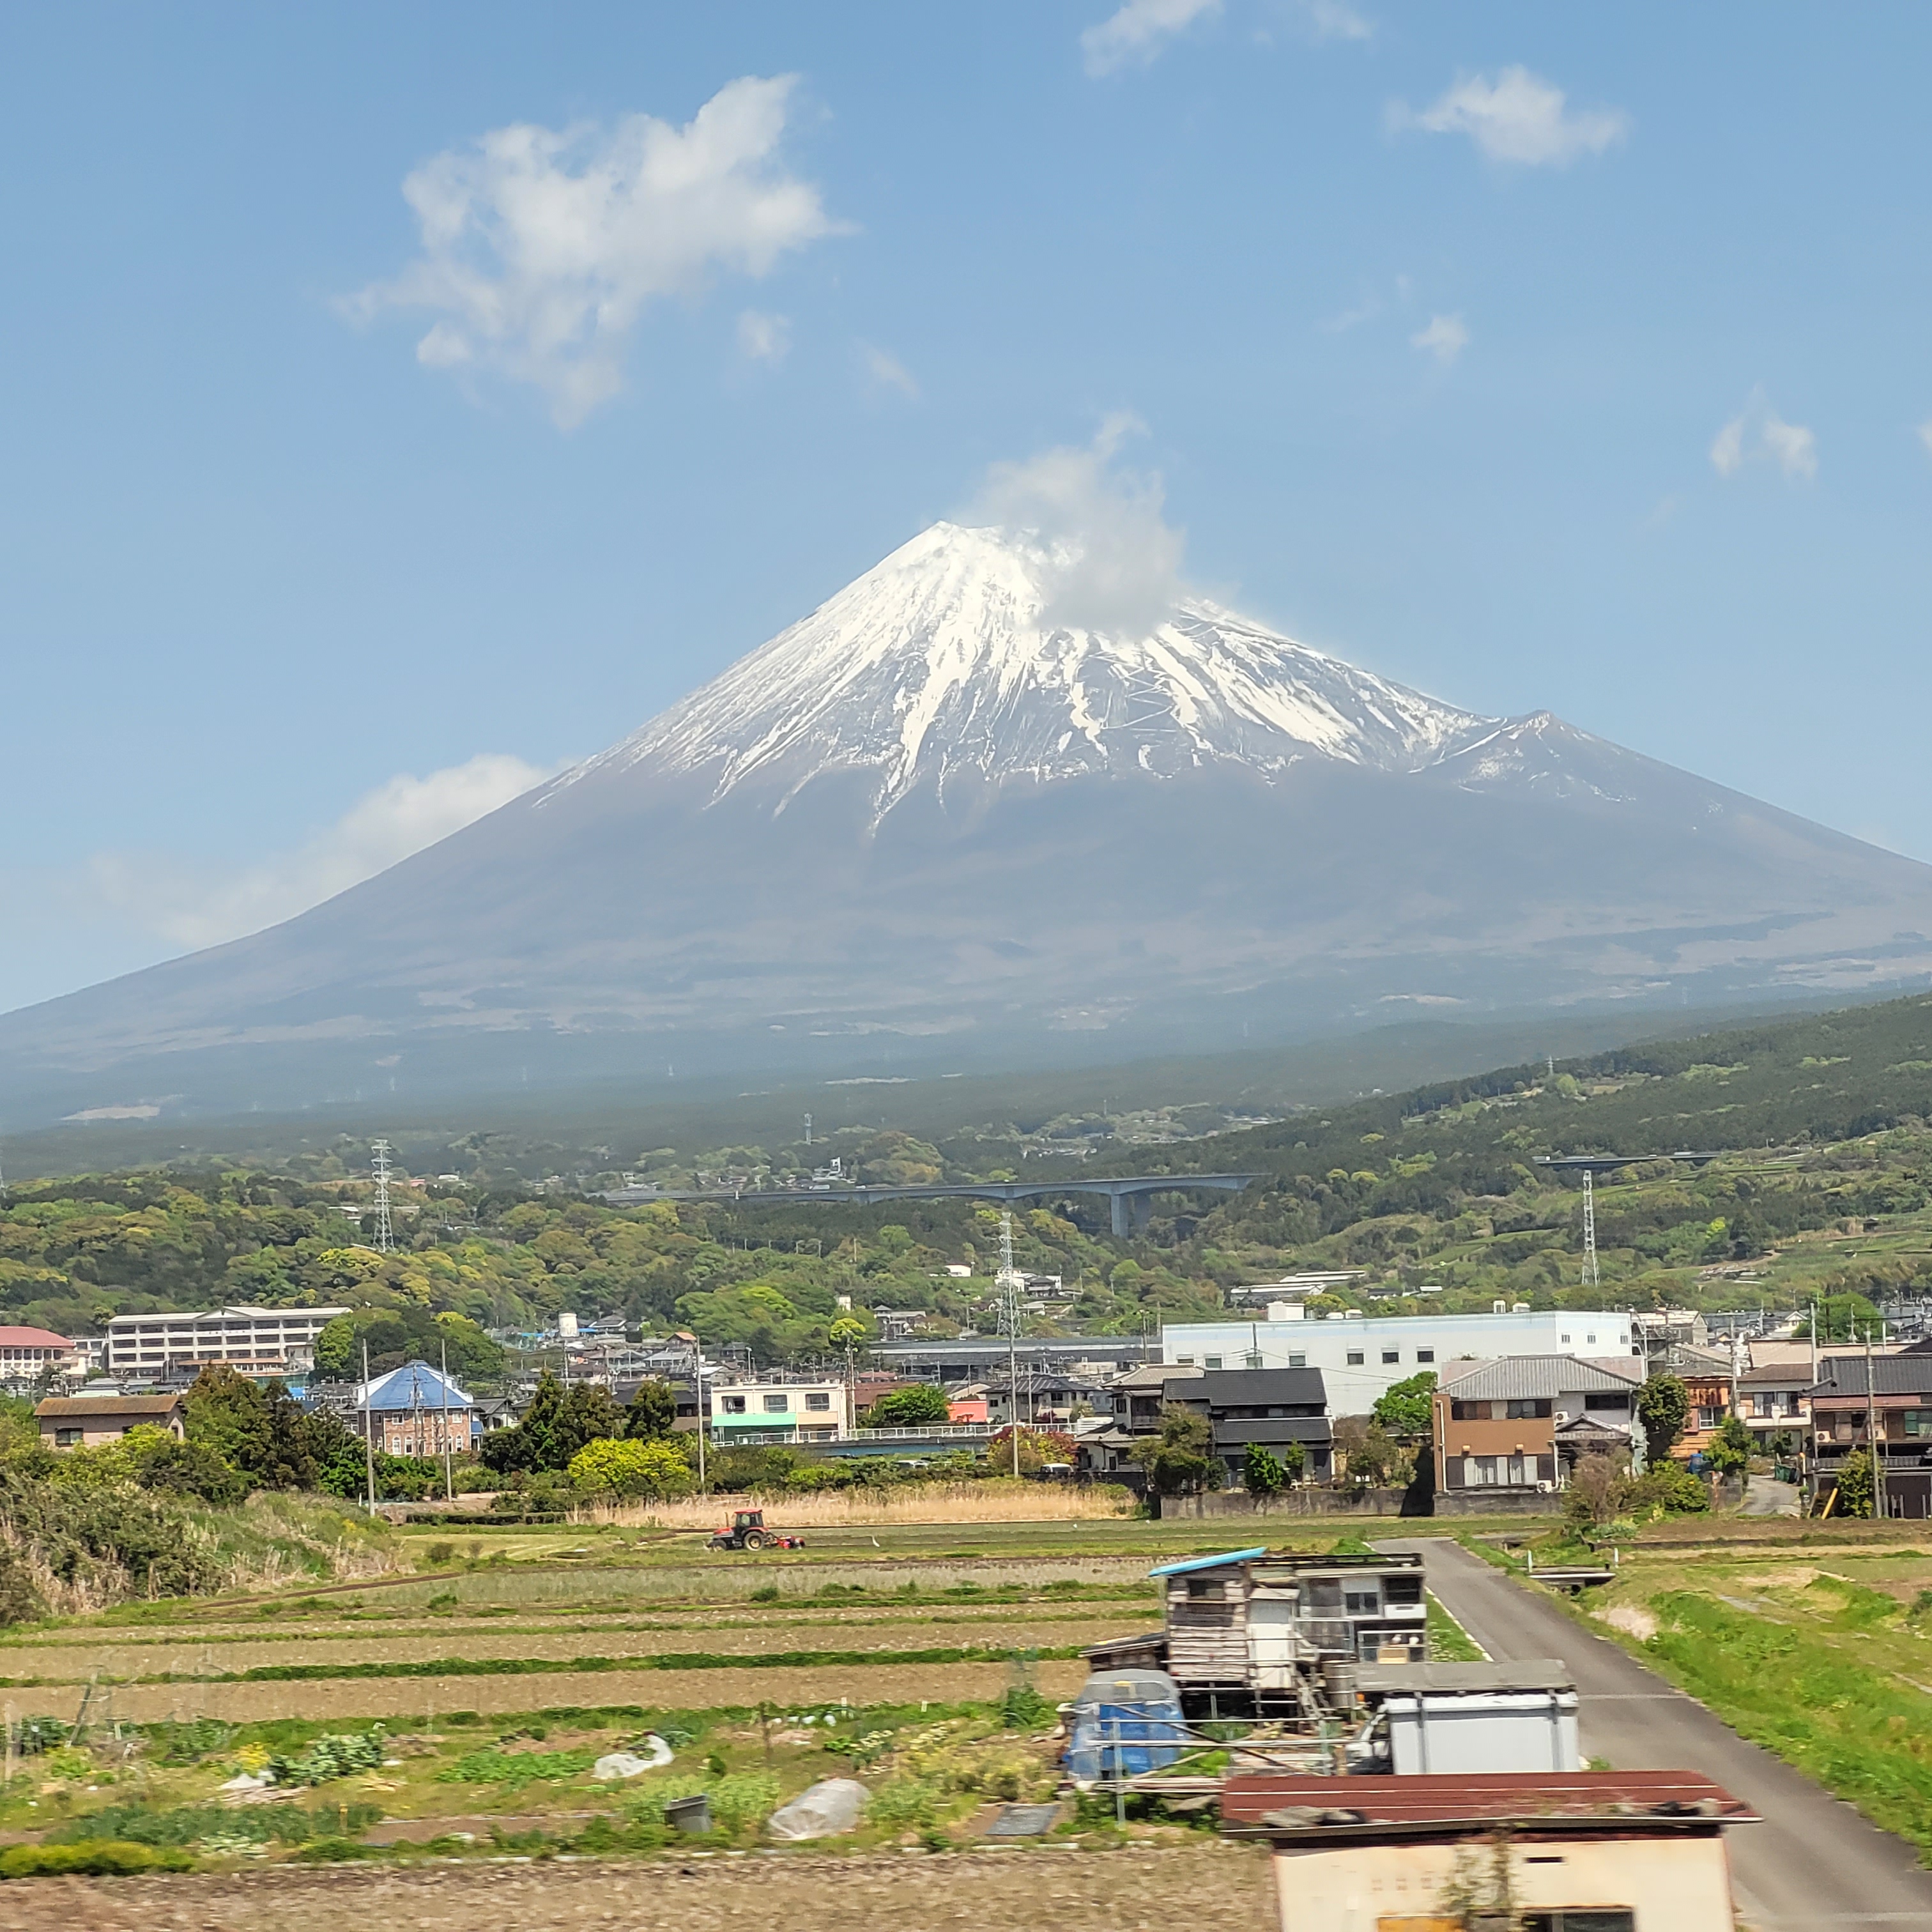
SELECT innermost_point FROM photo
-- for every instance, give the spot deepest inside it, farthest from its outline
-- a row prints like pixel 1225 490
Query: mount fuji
pixel 952 814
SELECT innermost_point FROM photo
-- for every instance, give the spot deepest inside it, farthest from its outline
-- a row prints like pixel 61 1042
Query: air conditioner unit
pixel 1545 1488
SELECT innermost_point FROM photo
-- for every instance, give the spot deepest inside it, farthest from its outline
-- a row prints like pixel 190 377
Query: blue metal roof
pixel 1210 1562
pixel 415 1385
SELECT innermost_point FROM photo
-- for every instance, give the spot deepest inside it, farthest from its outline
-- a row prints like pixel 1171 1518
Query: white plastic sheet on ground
pixel 822 1810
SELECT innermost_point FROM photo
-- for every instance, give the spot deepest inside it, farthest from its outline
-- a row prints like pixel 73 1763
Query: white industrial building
pixel 257 1341
pixel 1360 1356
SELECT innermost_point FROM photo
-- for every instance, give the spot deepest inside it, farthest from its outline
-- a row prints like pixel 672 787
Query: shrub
pixel 91 1858
pixel 652 1470
pixel 1670 1490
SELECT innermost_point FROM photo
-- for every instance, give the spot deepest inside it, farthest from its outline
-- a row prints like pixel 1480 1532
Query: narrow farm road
pixel 1812 1864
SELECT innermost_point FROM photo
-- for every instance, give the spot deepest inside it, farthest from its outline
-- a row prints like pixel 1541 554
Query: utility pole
pixel 385 1239
pixel 1872 1444
pixel 449 1475
pixel 368 1428
pixel 697 1353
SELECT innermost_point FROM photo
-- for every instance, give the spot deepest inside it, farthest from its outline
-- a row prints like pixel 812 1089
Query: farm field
pixel 1144 1889
pixel 472 1692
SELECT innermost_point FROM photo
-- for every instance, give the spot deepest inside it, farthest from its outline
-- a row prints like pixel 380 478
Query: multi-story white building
pixel 1360 1356
pixel 257 1341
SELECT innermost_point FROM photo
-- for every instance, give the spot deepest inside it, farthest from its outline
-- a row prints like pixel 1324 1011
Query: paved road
pixel 1813 1862
pixel 1765 1495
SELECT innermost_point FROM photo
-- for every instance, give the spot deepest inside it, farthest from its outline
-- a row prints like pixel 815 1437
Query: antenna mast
pixel 385 1238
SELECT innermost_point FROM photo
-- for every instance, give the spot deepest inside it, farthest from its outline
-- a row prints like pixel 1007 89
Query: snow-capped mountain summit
pixel 943 661
pixel 942 815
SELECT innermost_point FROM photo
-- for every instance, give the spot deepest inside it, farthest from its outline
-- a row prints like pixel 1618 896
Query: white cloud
pixel 197 905
pixel 1135 35
pixel 887 371
pixel 1518 117
pixel 542 247
pixel 1334 20
pixel 1757 433
pixel 1109 560
pixel 1445 338
pixel 764 338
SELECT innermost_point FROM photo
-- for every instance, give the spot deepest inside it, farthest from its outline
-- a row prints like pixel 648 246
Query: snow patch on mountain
pixel 939 664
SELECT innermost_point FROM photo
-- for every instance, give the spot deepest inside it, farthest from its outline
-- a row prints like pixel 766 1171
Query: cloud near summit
pixel 542 247
pixel 1112 562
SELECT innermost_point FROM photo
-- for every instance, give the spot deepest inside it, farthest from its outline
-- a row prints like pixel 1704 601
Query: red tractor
pixel 748 1532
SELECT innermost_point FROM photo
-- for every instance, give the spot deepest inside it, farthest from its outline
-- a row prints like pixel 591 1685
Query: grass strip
pixel 540 1667
pixel 1859 1731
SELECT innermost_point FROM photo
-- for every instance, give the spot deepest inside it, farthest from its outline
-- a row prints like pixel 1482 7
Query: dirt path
pixel 1136 1890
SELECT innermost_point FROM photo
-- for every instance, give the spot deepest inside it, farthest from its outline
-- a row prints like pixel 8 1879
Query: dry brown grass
pixel 1142 1889
pixel 990 1502
pixel 340 1699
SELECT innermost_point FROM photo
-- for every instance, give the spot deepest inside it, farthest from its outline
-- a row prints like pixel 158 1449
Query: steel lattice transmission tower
pixel 1592 1276
pixel 386 1236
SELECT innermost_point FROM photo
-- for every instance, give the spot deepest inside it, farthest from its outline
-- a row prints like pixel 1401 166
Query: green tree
pixel 1856 1493
pixel 558 1422
pixel 1731 1448
pixel 1372 1459
pixel 1407 1407
pixel 1662 1407
pixel 1843 1318
pixel 261 1433
pixel 909 1407
pixel 651 1412
pixel 1180 1461
pixel 1261 1473
pixel 650 1471
pixel 1293 1461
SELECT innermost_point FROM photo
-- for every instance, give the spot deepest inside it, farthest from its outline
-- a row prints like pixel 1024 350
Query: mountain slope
pixel 934 811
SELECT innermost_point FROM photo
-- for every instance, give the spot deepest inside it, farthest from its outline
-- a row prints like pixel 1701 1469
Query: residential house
pixel 1886 1399
pixel 1269 1408
pixel 1585 1851
pixel 773 1411
pixel 86 1422
pixel 1494 1430
pixel 1775 1401
pixel 1710 1381
pixel 412 1411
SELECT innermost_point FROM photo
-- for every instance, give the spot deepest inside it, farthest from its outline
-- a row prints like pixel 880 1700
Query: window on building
pixel 734 1405
pixel 1469 1412
pixel 1391 1354
pixel 1297 1361
pixel 818 1398
pixel 1589 1338
pixel 1525 1407
pixel 1477 1471
pixel 1252 1358
pixel 1362 1603
pixel 1425 1354
pixel 1184 1361
pixel 69 1438
pixel 1709 1418
pixel 1566 1338
pixel 1918 1421
pixel 1355 1358
pixel 777 1405
pixel 1211 1361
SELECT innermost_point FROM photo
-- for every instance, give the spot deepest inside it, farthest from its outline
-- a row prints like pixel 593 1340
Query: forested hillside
pixel 1823 1180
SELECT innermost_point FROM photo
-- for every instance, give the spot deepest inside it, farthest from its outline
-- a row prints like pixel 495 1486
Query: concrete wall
pixel 1218 1503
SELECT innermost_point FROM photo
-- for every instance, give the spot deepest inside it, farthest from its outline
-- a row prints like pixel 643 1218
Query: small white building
pixel 773 1412
pixel 1360 1356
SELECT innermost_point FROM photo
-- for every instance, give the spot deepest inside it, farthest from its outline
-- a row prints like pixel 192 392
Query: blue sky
pixel 361 455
